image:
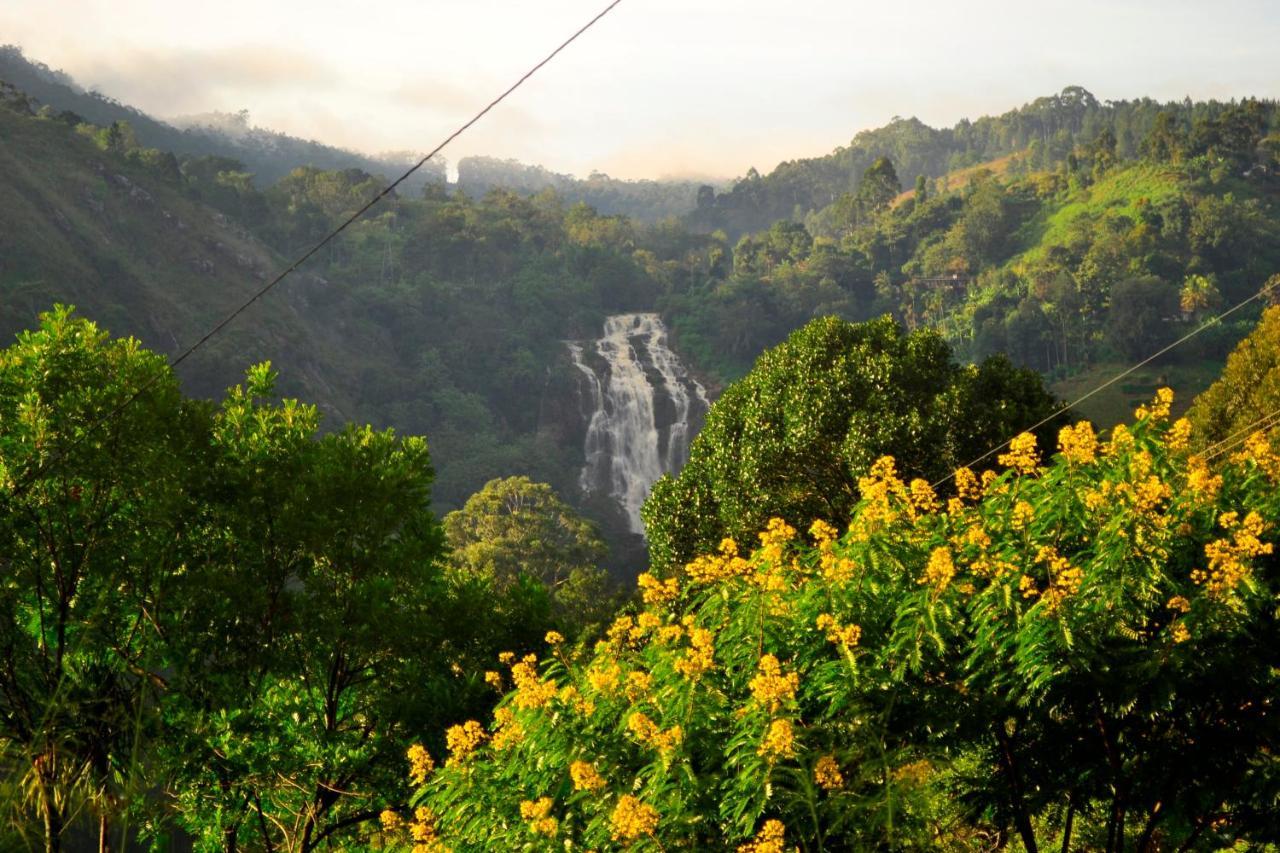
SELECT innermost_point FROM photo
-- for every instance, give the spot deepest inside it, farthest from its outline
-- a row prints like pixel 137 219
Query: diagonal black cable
pixel 1114 379
pixel 59 457
pixel 21 488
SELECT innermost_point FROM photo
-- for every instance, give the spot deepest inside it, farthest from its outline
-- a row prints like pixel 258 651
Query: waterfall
pixel 641 406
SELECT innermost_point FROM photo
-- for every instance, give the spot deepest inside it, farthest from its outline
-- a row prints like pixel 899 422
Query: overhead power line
pixel 1113 380
pixel 61 456
pixel 269 286
pixel 1241 436
pixel 1243 432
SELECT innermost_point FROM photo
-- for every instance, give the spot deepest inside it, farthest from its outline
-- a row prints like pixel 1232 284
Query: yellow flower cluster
pixel 1064 578
pixel 1121 441
pixel 835 569
pixel 770 687
pixel 632 819
pixel 1179 631
pixel 1179 435
pixel 768 840
pixel 940 569
pixel 826 773
pixel 1179 603
pixel 668 634
pixel 1023 456
pixel 923 498
pixel 1079 444
pixel 531 691
pixel 657 592
pixel 420 764
pixel 604 677
pixel 1258 448
pixel 777 532
pixel 638 685
pixel 1202 484
pixel 1023 515
pixel 538 814
pixel 507 729
pixel 423 832
pixel 1159 407
pixel 1227 557
pixel 493 679
pixel 554 638
pixel 648 733
pixel 822 532
pixel 570 696
pixel 779 741
pixel 463 740
pixel 881 488
pixel 621 631
pixel 390 820
pixel 990 567
pixel 723 565
pixel 967 486
pixel 585 777
pixel 701 654
pixel 847 635
pixel 646 623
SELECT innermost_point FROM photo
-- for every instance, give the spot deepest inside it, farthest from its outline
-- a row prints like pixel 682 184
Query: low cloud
pixel 169 82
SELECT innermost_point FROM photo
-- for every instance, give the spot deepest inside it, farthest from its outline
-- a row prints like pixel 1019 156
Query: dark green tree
pixel 515 530
pixel 792 438
pixel 878 186
pixel 88 526
pixel 1141 308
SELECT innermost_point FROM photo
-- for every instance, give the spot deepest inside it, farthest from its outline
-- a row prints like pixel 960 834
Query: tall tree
pixel 794 436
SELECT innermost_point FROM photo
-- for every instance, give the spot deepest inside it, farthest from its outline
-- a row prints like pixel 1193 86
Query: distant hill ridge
pixel 269 155
pixel 1045 131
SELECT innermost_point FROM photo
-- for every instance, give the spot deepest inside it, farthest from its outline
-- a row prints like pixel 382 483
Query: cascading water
pixel 641 404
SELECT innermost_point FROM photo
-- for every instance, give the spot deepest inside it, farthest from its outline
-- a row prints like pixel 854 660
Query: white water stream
pixel 643 405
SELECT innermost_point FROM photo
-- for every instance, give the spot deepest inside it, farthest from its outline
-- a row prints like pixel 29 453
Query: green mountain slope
pixel 1046 131
pixel 81 226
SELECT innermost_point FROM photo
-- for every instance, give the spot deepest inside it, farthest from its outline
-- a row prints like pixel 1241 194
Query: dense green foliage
pixel 1024 257
pixel 793 437
pixel 213 618
pixel 644 201
pixel 514 532
pixel 1075 654
pixel 1050 130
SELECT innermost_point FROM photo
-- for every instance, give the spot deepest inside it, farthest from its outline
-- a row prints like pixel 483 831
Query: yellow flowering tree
pixel 1081 651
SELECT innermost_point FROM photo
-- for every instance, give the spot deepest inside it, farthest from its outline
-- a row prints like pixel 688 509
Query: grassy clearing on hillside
pixel 1119 194
pixel 961 177
pixel 1116 403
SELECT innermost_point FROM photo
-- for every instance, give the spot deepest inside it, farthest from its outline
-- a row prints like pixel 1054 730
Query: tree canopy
pixel 215 602
pixel 794 436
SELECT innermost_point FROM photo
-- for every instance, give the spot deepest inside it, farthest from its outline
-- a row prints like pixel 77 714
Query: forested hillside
pixel 644 201
pixel 1100 257
pixel 1069 255
pixel 1048 130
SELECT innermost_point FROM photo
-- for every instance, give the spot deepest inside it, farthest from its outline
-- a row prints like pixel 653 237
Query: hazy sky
pixel 659 87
